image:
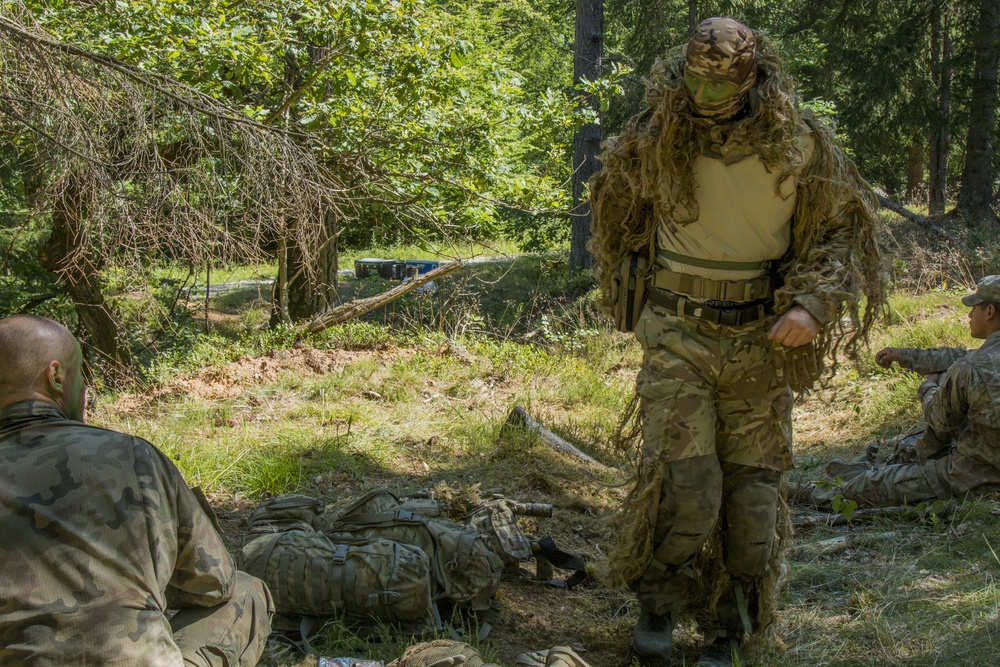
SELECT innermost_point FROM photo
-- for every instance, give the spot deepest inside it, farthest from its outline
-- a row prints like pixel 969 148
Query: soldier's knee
pixel 258 604
pixel 749 559
pixel 695 493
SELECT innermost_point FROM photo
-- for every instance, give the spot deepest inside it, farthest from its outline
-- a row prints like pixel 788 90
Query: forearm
pixel 925 362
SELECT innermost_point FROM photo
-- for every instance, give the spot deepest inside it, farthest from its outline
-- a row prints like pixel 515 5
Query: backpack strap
pixel 548 550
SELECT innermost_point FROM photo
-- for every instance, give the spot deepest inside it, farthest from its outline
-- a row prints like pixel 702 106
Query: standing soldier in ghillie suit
pixel 763 246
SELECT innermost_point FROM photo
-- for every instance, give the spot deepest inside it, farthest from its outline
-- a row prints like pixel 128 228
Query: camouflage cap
pixel 988 289
pixel 722 48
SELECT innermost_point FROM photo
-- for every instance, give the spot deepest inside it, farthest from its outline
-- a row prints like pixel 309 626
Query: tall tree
pixel 942 54
pixel 137 165
pixel 587 55
pixel 975 198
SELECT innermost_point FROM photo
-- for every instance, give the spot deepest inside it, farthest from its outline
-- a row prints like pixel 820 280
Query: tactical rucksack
pixel 466 572
pixel 309 575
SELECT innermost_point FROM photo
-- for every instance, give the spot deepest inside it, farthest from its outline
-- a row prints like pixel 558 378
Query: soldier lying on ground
pixel 101 534
pixel 958 452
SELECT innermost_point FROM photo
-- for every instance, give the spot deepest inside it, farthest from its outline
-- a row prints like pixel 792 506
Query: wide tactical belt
pixel 734 315
pixel 713 290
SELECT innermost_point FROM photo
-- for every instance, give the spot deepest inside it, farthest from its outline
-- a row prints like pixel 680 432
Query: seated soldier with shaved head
pixel 101 534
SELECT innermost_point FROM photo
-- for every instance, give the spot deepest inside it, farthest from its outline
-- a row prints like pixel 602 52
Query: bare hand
pixel 795 328
pixel 887 356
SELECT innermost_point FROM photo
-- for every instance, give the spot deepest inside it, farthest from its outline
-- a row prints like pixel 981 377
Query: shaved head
pixel 41 360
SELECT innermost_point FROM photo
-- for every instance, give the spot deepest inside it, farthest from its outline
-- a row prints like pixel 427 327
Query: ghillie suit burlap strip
pixel 834 266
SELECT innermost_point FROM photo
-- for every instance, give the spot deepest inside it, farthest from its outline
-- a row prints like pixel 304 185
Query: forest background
pixel 153 149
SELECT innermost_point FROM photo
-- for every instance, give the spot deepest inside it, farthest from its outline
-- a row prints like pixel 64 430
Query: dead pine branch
pixel 921 220
pixel 811 550
pixel 359 307
pixel 519 418
pixel 825 519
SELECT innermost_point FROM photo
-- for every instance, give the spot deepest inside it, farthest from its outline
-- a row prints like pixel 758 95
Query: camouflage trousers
pixel 716 425
pixel 232 634
pixel 908 483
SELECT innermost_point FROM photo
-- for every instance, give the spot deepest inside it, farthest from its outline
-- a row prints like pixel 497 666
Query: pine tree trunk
pixel 587 57
pixel 943 53
pixel 915 171
pixel 975 197
pixel 692 16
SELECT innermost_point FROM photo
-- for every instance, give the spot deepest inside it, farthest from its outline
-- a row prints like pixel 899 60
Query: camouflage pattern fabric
pixel 497 522
pixel 716 424
pixel 232 634
pixel 987 291
pixel 310 575
pixel 695 492
pixel 465 569
pixel 557 656
pixel 711 389
pixel 925 362
pixel 722 49
pixel 962 411
pixel 108 536
pixel 428 653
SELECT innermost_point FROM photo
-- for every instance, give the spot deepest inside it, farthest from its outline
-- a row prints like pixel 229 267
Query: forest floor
pixel 414 398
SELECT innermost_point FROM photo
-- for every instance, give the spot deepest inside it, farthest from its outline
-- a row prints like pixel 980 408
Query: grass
pixel 414 397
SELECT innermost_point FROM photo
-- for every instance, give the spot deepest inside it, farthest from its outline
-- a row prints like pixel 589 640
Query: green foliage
pixel 420 108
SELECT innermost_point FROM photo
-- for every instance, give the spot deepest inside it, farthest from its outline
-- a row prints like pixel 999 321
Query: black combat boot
pixel 653 638
pixel 723 652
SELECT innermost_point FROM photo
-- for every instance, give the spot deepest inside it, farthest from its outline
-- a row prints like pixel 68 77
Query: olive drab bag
pixel 628 291
pixel 309 575
pixel 466 571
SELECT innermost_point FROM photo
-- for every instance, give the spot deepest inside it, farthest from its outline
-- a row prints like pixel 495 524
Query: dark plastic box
pixel 390 269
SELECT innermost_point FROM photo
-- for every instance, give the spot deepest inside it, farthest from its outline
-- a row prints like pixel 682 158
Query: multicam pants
pixel 716 424
pixel 908 483
pixel 229 635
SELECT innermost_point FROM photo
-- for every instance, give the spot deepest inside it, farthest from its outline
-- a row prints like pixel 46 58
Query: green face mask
pixel 705 90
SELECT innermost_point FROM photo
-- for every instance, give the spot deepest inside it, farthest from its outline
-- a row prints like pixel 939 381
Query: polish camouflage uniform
pixel 959 452
pixel 103 536
pixel 757 237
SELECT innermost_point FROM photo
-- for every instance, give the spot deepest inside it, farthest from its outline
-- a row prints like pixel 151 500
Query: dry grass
pixel 424 410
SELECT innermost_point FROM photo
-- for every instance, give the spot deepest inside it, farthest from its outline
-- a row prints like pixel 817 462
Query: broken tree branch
pixel 520 418
pixel 865 513
pixel 811 550
pixel 921 220
pixel 358 307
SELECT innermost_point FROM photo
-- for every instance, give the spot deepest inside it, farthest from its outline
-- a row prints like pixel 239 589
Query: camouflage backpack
pixel 309 575
pixel 466 571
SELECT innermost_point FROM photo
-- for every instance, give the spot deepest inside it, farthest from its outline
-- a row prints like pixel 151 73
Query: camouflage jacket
pixel 100 534
pixel 925 362
pixel 963 406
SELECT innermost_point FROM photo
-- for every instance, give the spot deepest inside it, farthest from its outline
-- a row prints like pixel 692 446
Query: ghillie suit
pixel 832 268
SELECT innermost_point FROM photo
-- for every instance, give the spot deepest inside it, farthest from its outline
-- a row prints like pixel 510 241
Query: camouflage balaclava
pixel 722 49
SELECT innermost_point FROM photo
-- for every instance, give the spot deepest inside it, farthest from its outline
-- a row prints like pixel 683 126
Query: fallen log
pixel 358 307
pixel 921 220
pixel 519 418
